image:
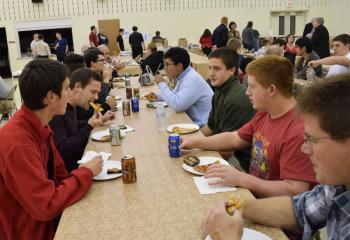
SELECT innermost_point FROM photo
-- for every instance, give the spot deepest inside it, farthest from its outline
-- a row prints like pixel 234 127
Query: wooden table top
pixel 164 203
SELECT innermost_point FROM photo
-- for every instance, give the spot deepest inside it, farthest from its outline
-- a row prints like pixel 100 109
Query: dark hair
pixel 343 38
pixel 206 33
pixel 329 100
pixel 280 42
pixel 38 78
pixel 229 58
pixel 91 55
pixel 121 30
pixel 250 24
pixel 134 28
pixel 178 55
pixel 58 33
pixel 41 36
pixel 231 23
pixel 289 36
pixel 304 42
pixel 84 76
pixel 157 33
pixel 92 27
pixel 74 61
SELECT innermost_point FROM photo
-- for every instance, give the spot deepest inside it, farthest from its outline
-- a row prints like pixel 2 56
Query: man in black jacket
pixel 220 34
pixel 136 42
pixel 320 38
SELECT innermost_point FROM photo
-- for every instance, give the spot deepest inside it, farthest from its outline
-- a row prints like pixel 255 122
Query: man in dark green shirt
pixel 231 107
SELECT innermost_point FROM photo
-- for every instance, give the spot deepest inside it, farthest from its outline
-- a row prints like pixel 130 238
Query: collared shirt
pixel 324 206
pixel 71 136
pixel 192 95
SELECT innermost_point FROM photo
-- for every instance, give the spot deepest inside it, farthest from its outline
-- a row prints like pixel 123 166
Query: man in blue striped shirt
pixel 325 108
pixel 192 94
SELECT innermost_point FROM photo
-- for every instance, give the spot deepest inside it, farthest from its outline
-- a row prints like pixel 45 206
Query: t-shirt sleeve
pixel 247 131
pixel 294 163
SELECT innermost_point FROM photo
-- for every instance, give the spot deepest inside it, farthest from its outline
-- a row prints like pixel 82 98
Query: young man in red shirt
pixel 34 185
pixel 93 37
pixel 277 167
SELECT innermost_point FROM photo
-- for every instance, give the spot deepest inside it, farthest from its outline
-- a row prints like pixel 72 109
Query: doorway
pixel 111 28
pixel 5 71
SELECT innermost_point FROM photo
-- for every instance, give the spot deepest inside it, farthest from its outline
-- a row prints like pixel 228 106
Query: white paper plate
pixel 183 125
pixel 107 165
pixel 155 104
pixel 204 161
pixel 116 97
pixel 249 234
pixel 97 136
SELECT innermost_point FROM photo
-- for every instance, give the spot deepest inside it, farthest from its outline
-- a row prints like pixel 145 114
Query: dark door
pixel 5 71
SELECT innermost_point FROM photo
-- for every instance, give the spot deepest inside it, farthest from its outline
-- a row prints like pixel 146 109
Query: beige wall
pixel 174 19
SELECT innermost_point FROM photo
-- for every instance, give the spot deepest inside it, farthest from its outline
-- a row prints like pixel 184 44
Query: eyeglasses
pixel 313 140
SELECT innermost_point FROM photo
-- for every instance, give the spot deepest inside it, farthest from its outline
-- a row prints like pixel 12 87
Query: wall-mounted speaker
pixel 37 1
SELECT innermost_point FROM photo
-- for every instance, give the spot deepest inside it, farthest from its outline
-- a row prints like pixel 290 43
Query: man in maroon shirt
pixel 278 166
pixel 93 37
pixel 34 185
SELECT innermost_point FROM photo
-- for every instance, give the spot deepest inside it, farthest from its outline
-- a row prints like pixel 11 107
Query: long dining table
pixel 163 203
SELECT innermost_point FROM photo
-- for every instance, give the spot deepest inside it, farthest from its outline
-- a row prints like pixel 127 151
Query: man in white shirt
pixel 32 44
pixel 42 49
pixel 340 62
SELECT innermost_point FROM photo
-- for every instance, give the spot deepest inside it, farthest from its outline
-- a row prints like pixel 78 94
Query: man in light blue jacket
pixel 192 94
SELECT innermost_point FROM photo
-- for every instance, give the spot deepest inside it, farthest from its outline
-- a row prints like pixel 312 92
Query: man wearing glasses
pixel 192 94
pixel 325 108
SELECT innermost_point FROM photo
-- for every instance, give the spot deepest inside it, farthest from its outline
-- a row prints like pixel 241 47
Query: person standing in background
pixel 120 40
pixel 158 40
pixel 248 36
pixel 206 42
pixel 61 47
pixel 93 37
pixel 320 38
pixel 102 38
pixel 308 30
pixel 220 34
pixel 32 44
pixel 233 33
pixel 41 49
pixel 136 42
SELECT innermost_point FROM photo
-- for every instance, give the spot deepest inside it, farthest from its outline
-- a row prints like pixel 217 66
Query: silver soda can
pixel 114 130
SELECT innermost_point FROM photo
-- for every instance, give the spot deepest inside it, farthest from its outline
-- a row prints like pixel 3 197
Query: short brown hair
pixel 329 100
pixel 234 44
pixel 274 70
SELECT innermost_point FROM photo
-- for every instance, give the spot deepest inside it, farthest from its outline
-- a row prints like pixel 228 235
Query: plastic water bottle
pixel 310 73
pixel 127 80
pixel 160 116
